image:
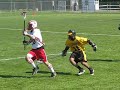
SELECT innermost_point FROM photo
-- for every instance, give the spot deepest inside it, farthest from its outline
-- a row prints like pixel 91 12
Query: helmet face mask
pixel 71 34
pixel 32 25
pixel 71 37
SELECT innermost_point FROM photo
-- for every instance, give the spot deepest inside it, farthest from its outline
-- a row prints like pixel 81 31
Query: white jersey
pixel 36 34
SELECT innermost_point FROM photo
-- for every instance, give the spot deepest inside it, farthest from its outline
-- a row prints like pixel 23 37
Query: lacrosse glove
pixel 94 47
pixel 25 42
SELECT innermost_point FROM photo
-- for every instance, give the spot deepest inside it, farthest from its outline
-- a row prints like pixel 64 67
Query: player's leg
pixel 49 65
pixel 43 57
pixel 87 66
pixel 75 63
pixel 29 59
pixel 85 63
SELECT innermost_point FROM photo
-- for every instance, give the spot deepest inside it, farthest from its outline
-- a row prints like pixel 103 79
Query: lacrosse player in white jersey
pixel 37 52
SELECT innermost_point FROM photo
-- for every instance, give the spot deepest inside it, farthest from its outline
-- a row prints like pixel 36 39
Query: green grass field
pixel 15 72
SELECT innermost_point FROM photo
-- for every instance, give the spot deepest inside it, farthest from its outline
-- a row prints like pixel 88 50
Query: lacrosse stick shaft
pixel 24 14
pixel 24 36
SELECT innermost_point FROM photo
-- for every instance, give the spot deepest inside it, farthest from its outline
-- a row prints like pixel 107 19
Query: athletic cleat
pixel 81 72
pixel 35 70
pixel 91 71
pixel 53 74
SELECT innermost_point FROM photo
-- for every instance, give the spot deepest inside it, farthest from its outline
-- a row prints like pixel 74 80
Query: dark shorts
pixel 79 56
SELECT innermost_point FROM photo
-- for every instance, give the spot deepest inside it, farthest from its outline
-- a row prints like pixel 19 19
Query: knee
pixel 71 60
pixel 83 62
pixel 28 58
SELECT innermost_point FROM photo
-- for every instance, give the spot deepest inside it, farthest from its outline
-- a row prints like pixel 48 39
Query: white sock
pixel 51 68
pixel 33 64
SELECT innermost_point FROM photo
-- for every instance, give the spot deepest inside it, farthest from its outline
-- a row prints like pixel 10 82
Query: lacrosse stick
pixel 24 15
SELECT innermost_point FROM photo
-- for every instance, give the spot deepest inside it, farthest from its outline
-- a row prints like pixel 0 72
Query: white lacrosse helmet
pixel 33 23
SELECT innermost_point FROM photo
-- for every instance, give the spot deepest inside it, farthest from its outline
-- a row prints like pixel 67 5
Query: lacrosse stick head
pixel 24 14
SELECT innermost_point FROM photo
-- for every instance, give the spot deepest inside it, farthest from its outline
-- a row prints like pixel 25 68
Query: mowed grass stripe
pixel 66 32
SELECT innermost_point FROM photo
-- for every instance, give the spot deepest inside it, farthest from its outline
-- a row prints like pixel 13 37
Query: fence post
pixel 53 5
pixel 107 6
pixel 27 5
pixel 11 6
pixel 40 6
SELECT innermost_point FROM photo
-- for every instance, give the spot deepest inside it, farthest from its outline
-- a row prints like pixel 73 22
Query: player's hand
pixel 25 42
pixel 64 53
pixel 43 44
pixel 25 33
pixel 94 47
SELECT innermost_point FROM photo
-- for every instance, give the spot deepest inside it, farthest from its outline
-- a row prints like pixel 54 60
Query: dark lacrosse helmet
pixel 71 34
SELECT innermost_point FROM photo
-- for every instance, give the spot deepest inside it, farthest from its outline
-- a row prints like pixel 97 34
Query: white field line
pixel 13 29
pixel 7 59
pixel 113 35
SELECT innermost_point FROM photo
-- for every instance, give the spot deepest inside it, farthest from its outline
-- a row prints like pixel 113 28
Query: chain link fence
pixel 38 6
pixel 54 6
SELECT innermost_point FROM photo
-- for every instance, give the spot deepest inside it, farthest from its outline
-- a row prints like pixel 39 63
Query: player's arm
pixel 29 35
pixel 64 52
pixel 32 38
pixel 25 42
pixel 94 46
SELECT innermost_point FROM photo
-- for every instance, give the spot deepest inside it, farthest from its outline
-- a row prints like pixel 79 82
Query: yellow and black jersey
pixel 77 44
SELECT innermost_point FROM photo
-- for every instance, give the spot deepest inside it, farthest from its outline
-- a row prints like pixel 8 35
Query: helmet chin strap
pixel 31 31
pixel 71 38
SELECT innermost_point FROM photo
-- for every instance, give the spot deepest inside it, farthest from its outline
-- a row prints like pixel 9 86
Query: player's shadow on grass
pixel 104 60
pixel 12 76
pixel 60 73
